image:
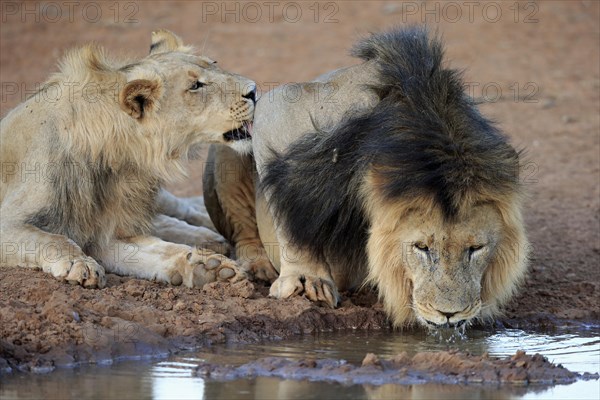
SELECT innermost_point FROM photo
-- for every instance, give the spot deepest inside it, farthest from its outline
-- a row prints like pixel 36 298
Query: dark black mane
pixel 424 137
pixel 315 192
pixel 430 138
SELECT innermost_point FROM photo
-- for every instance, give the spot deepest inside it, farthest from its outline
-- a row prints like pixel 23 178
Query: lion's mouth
pixel 244 132
pixel 435 319
pixel 446 325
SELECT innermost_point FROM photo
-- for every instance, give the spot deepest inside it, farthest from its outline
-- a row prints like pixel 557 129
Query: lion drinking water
pixel 81 176
pixel 390 177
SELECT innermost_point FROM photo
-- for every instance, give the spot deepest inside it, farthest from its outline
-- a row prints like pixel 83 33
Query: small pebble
pixel 548 103
pixel 371 359
pixel 176 279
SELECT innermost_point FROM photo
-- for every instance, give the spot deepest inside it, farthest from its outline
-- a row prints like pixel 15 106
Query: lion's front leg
pixel 175 230
pixel 229 194
pixel 252 255
pixel 301 274
pixel 190 210
pixel 28 246
pixel 151 258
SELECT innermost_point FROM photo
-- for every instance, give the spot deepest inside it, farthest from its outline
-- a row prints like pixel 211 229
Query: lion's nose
pixel 251 94
pixel 447 314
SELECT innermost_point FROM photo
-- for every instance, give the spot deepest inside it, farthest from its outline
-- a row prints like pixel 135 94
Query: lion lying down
pixel 389 177
pixel 81 176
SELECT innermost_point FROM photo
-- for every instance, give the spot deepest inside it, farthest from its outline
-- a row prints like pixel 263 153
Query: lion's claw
pixel 314 288
pixel 261 270
pixel 84 271
pixel 254 259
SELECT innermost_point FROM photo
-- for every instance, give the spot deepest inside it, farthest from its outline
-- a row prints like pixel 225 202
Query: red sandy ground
pixel 543 56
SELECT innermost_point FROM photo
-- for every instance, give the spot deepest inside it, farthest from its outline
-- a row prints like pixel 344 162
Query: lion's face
pixel 189 96
pixel 444 273
pixel 445 261
pixel 204 102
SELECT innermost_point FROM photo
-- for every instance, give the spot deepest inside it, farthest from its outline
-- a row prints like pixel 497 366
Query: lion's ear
pixel 139 97
pixel 164 40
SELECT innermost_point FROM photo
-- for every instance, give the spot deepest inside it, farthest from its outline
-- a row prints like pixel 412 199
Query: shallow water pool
pixel 171 378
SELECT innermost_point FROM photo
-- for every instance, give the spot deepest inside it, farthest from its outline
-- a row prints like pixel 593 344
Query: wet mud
pixel 52 324
pixel 437 367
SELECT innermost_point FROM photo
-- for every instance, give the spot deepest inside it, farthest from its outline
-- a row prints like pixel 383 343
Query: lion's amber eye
pixel 473 249
pixel 197 85
pixel 421 246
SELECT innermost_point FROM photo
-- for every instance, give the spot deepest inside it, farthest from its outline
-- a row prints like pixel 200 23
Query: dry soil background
pixel 534 64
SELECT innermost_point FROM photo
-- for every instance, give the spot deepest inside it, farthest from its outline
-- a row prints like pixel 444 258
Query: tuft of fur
pixel 424 142
pixel 164 40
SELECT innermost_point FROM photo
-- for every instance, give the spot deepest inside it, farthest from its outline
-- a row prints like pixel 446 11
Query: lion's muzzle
pixel 440 316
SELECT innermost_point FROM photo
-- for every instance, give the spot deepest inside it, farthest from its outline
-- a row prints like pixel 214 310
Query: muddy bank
pixel 440 367
pixel 46 324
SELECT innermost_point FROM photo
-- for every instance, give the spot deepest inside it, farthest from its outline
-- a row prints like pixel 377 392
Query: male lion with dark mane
pixel 396 180
pixel 81 177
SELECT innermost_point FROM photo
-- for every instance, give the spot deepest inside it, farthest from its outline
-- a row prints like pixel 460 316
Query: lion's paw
pixel 202 266
pixel 314 288
pixel 261 270
pixel 83 270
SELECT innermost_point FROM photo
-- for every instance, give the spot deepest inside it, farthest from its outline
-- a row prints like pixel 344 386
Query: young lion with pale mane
pixel 81 177
pixel 390 177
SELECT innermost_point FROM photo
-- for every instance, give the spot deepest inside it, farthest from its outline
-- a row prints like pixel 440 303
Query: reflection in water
pixel 272 388
pixel 445 392
pixel 580 353
pixel 174 382
pixel 172 378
